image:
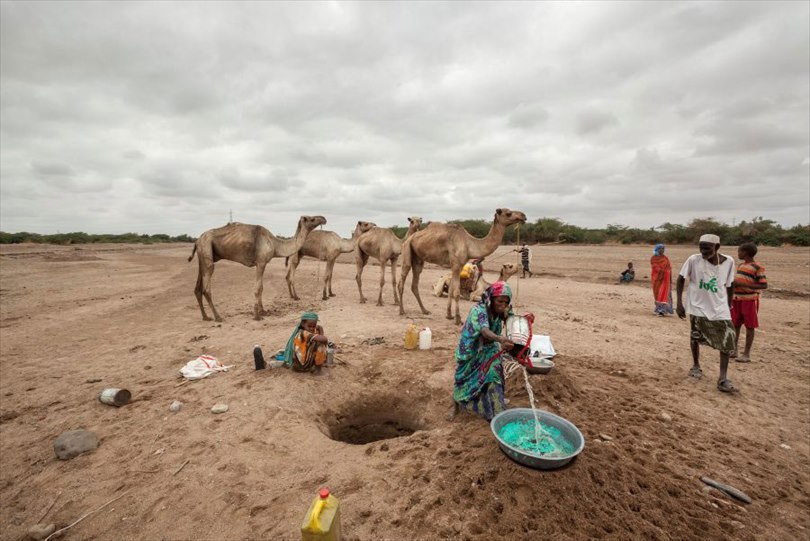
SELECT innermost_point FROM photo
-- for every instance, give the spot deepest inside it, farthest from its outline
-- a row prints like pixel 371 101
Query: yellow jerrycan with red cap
pixel 322 522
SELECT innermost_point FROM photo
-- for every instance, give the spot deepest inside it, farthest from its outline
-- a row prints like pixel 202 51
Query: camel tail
pixel 194 251
pixel 286 260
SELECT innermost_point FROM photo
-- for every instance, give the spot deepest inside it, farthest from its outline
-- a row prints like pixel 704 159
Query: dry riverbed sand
pixel 77 319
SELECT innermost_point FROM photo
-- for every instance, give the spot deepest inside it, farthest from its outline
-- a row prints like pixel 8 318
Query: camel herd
pixel 447 245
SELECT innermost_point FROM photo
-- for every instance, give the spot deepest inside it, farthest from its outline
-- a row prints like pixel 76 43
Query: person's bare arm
pixel 492 337
pixel 679 288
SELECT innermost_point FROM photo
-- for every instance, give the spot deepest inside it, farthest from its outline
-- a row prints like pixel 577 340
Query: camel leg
pixel 327 280
pixel 417 270
pixel 198 291
pixel 206 272
pixel 405 268
pixel 258 309
pixel 360 260
pixel 393 262
pixel 455 290
pixel 382 281
pixel 292 265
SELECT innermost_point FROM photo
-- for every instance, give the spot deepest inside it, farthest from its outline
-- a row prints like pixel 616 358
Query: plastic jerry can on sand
pixel 322 521
pixel 411 337
pixel 425 338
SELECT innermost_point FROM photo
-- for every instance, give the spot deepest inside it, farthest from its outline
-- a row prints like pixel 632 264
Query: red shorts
pixel 745 313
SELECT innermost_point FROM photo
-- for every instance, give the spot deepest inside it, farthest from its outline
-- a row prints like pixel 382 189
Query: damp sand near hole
pixel 522 434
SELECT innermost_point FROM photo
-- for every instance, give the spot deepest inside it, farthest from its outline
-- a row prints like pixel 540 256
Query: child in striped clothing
pixel 750 280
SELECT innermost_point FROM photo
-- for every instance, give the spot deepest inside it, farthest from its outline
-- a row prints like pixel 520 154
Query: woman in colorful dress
pixel 661 275
pixel 479 381
pixel 307 347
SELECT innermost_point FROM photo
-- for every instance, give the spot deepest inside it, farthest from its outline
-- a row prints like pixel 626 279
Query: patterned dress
pixel 479 385
pixel 307 352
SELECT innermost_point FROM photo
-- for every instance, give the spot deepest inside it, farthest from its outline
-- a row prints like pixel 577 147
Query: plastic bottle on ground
pixel 411 337
pixel 322 521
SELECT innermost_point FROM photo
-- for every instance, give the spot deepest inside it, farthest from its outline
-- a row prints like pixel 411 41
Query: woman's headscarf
pixel 289 350
pixel 657 249
pixel 497 289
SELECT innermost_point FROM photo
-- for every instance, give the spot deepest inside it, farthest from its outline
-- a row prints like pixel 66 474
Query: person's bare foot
pixel 453 412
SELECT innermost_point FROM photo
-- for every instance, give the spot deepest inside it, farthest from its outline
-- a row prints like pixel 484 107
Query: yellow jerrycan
pixel 411 336
pixel 322 522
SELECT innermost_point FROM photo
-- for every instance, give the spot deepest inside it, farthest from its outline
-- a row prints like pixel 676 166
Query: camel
pixel 382 244
pixel 507 271
pixel 443 285
pixel 325 246
pixel 250 245
pixel 449 245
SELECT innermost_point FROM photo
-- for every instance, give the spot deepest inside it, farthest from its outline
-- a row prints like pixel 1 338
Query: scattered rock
pixel 72 443
pixel 664 416
pixel 605 437
pixel 92 380
pixel 176 406
pixel 374 341
pixel 38 532
pixel 219 408
pixel 784 446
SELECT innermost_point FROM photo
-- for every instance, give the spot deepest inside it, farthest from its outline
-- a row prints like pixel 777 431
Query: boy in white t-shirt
pixel 708 303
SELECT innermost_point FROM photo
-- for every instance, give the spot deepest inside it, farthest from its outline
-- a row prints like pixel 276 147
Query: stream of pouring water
pixel 539 434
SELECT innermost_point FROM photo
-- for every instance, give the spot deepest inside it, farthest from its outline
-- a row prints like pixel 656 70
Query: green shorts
pixel 718 334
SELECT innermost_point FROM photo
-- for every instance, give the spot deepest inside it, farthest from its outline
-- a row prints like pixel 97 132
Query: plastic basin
pixel 567 429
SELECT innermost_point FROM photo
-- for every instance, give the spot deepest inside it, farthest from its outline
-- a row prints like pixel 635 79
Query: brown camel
pixel 507 271
pixel 382 244
pixel 250 245
pixel 449 245
pixel 325 246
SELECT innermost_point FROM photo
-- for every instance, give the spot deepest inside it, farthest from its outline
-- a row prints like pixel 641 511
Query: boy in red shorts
pixel 750 280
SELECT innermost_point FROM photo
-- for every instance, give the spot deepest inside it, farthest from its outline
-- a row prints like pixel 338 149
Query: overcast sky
pixel 162 117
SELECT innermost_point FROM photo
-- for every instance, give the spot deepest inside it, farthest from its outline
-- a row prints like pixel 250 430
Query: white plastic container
pixel 425 338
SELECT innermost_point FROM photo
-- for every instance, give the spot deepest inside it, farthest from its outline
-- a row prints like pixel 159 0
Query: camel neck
pixel 288 247
pixel 485 246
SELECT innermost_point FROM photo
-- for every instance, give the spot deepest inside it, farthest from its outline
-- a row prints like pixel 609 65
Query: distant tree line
pixel 85 238
pixel 544 230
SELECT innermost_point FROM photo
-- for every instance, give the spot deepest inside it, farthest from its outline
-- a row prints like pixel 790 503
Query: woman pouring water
pixel 479 381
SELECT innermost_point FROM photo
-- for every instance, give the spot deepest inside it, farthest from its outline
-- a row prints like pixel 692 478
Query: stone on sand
pixel 72 443
pixel 38 532
pixel 219 408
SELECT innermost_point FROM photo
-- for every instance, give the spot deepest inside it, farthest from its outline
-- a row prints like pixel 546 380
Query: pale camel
pixel 250 245
pixel 443 285
pixel 449 245
pixel 324 246
pixel 381 244
pixel 507 271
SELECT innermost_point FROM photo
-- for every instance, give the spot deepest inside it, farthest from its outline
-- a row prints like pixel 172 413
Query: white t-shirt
pixel 707 296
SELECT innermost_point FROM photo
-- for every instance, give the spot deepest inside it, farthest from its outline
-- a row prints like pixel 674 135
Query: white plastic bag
pixel 541 348
pixel 201 367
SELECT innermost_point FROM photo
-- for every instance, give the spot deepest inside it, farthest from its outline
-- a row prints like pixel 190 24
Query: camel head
pixel 308 223
pixel 508 217
pixel 414 223
pixel 362 227
pixel 507 271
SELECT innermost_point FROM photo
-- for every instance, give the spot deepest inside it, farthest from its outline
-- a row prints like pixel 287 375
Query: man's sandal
pixel 696 372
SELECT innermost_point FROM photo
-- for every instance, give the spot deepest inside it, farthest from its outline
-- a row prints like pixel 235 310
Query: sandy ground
pixel 126 315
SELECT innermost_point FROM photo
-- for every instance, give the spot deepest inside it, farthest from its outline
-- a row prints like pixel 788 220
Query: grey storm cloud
pixel 166 117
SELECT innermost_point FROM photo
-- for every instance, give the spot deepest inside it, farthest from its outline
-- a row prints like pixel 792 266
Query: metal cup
pixel 115 397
